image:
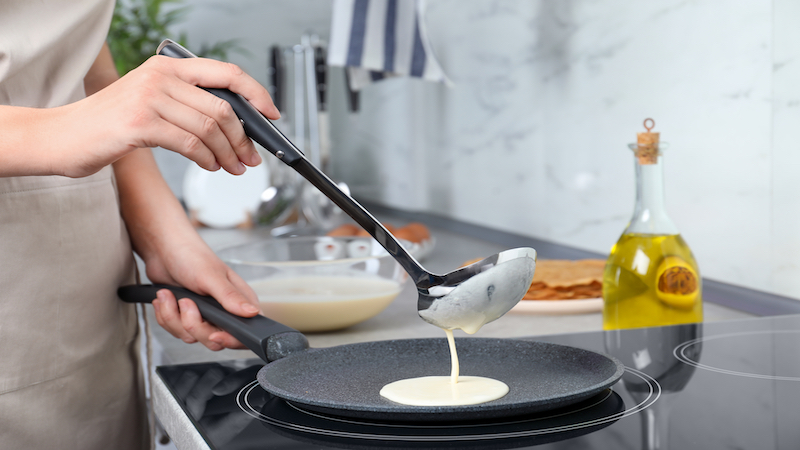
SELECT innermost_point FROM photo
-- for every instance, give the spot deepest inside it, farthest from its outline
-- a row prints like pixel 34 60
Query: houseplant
pixel 138 26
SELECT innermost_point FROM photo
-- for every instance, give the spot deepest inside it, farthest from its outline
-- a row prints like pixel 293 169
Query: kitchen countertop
pixel 455 242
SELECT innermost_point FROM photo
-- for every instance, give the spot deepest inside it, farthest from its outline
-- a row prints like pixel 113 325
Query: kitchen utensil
pixel 466 298
pixel 279 200
pixel 346 380
pixel 317 208
pixel 310 77
pixel 318 283
pixel 321 76
pixel 299 96
pixel 277 204
pixel 277 73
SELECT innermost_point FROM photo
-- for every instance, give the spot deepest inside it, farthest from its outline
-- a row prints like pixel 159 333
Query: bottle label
pixel 677 283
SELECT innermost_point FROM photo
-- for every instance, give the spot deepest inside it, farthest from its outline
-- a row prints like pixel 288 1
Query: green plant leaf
pixel 139 26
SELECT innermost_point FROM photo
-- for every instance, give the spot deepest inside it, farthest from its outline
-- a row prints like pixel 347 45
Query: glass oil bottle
pixel 651 277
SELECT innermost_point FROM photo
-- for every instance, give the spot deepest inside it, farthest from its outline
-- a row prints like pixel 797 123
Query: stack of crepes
pixel 561 279
pixel 558 279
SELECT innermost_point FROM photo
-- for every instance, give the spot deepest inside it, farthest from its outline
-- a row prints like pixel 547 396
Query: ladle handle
pixel 258 127
pixel 268 339
pixel 261 130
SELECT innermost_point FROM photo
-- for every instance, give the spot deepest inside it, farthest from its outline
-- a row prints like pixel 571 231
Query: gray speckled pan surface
pixel 346 380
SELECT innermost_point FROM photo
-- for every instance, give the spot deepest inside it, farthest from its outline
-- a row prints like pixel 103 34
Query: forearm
pixel 153 215
pixel 150 210
pixel 29 141
pixel 42 141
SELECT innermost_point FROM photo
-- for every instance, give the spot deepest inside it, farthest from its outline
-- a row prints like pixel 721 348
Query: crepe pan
pixel 345 380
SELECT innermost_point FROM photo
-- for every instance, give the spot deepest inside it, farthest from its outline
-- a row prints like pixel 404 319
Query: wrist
pixel 29 140
pixel 154 217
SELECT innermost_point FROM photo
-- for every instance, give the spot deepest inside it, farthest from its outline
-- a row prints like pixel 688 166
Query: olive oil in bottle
pixel 651 277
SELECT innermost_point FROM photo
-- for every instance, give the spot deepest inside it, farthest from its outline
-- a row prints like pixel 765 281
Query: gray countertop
pixel 455 243
pixel 400 320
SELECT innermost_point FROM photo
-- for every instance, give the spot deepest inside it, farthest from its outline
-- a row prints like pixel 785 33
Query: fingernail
pixel 255 159
pixel 240 169
pixel 248 308
pixel 215 167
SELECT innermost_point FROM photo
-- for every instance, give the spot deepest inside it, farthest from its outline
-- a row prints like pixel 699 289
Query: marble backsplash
pixel 533 137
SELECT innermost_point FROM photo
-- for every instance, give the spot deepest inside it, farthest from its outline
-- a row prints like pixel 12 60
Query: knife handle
pixel 321 72
pixel 276 72
pixel 258 127
pixel 268 339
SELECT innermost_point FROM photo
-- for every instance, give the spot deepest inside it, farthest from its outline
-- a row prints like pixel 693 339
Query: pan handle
pixel 269 340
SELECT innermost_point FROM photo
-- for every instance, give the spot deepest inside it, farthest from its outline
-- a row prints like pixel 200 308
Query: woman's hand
pixel 159 104
pixel 191 264
pixel 174 253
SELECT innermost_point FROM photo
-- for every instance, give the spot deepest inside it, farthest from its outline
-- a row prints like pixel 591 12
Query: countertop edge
pixel 176 423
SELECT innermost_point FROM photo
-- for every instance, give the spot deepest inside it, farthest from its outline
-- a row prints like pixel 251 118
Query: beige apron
pixel 70 376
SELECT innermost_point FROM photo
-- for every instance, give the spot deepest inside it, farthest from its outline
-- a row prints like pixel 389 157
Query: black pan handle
pixel 268 339
pixel 258 127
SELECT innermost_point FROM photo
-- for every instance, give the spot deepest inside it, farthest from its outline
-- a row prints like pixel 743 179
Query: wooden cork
pixel 647 142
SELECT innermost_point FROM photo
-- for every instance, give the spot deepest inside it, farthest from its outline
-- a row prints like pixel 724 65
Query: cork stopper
pixel 647 144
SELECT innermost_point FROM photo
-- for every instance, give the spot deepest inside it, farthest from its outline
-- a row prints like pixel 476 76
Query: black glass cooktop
pixel 724 385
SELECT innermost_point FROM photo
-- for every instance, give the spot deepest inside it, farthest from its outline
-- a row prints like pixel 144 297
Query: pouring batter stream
pixel 453 390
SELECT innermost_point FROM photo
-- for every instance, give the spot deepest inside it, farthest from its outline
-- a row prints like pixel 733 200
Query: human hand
pixel 159 104
pixel 193 265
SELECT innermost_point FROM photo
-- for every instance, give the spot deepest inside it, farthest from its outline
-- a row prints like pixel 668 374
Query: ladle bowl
pixel 466 298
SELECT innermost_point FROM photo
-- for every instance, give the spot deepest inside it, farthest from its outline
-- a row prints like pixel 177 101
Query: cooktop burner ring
pixel 680 352
pixel 339 427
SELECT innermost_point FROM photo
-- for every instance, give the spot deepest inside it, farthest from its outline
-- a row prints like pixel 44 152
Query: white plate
pixel 221 200
pixel 582 306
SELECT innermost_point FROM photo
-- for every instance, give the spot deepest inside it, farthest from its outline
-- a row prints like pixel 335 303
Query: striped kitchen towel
pixel 376 39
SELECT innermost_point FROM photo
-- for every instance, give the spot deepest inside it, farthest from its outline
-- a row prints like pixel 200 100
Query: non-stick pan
pixel 346 380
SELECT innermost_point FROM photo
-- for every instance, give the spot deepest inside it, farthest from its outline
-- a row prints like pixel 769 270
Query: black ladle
pixel 466 298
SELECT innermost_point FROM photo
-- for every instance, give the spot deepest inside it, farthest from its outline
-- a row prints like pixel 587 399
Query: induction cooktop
pixel 732 384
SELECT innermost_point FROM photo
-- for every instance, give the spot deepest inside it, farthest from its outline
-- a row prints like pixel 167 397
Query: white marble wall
pixel 532 138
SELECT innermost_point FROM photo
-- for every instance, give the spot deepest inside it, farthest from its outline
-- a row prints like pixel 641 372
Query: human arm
pixel 163 237
pixel 156 104
pixel 175 254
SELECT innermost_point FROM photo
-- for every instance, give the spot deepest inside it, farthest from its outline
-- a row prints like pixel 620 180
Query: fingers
pixel 196 123
pixel 233 294
pixel 205 137
pixel 179 140
pixel 182 319
pixel 168 316
pixel 215 118
pixel 215 74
